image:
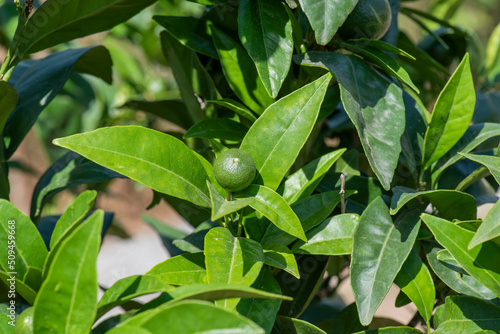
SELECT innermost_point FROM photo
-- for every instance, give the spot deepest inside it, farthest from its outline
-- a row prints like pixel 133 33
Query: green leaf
pixel 374 104
pixel 221 207
pixel 53 70
pixel 235 106
pixel 266 33
pixel 451 204
pixel 478 261
pixel 8 101
pixel 462 314
pixel 380 247
pixel 311 211
pixel 415 280
pixel 240 72
pixel 346 321
pixel 219 128
pixel 326 16
pixel 493 56
pixel 463 284
pixel 492 163
pixel 473 137
pixel 303 290
pixel 386 62
pixel 67 299
pixel 391 330
pixel 382 46
pixel 231 260
pixel 274 208
pixel 172 110
pixel 22 289
pixel 182 269
pixel 291 325
pixel 73 215
pixel 332 237
pixel 303 182
pixel 195 241
pixel 68 171
pixel 191 32
pixel 280 256
pixel 276 138
pixel 191 317
pixel 451 115
pixel 57 22
pixel 154 159
pixel 262 311
pixel 26 244
pixel 128 288
pixel 490 227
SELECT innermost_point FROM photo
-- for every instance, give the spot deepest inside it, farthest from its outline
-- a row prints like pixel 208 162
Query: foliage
pixel 393 200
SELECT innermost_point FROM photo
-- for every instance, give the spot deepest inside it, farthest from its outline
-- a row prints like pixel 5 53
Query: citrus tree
pixel 320 144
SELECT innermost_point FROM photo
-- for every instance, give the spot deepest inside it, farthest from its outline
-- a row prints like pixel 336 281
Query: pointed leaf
pixel 276 209
pixel 478 261
pixel 67 300
pixel 182 269
pixel 276 138
pixel 415 280
pixel 53 70
pixel 492 163
pixel 463 284
pixel 490 227
pixel 291 325
pixel 58 22
pixel 380 247
pixel 303 182
pixel 326 16
pixel 8 101
pixel 154 159
pixel 452 114
pixel 191 317
pixel 332 237
pixel 473 137
pixel 266 33
pixel 217 128
pixel 240 72
pixel 27 245
pixel 451 204
pixel 462 314
pixel 279 256
pixel 221 207
pixel 235 106
pixel 374 104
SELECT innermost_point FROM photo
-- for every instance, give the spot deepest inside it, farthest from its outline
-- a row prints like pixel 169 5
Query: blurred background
pixel 140 72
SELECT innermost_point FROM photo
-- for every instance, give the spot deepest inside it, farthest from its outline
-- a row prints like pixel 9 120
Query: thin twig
pixel 342 191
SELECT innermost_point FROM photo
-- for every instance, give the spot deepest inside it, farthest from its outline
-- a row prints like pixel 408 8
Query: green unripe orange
pixel 234 170
pixel 24 322
pixel 370 19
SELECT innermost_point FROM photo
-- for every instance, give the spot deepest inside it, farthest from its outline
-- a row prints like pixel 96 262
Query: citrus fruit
pixel 234 169
pixel 369 19
pixel 24 322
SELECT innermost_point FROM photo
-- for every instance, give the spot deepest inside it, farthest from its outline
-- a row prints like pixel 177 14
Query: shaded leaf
pixel 280 256
pixel 235 106
pixel 276 138
pixel 392 330
pixel 292 326
pixel 219 128
pixel 492 163
pixel 8 101
pixel 22 289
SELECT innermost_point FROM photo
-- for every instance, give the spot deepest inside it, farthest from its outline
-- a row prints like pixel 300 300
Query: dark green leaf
pixel 191 32
pixel 280 256
pixel 332 237
pixel 53 71
pixel 326 16
pixel 240 72
pixel 346 322
pixel 296 326
pixel 478 261
pixel 67 299
pixel 219 128
pixel 452 114
pixel 276 209
pixel 58 22
pixel 195 241
pixel 182 269
pixel 415 280
pixel 26 244
pixel 451 204
pixel 380 247
pixel 154 159
pixel 266 33
pixel 374 104
pixel 174 111
pixel 22 289
pixel 276 138
pixel 8 101
pixel 235 106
